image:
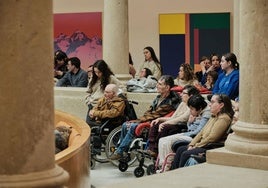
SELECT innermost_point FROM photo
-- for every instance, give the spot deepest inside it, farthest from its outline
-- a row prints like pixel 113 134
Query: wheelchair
pixel 136 152
pixel 101 135
pixel 194 159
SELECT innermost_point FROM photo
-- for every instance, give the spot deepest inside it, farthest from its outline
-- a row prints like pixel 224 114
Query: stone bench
pixel 75 158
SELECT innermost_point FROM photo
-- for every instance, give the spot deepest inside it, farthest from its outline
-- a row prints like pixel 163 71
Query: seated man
pixel 163 104
pixel 75 77
pixel 165 126
pixel 108 107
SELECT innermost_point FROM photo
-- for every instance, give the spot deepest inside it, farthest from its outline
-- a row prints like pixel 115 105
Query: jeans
pixel 126 137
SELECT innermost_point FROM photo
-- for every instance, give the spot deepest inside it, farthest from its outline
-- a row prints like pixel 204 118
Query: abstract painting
pixel 188 37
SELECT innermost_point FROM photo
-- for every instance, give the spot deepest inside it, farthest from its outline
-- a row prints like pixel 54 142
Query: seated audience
pixel 228 81
pixel 185 76
pixel 205 63
pixel 212 77
pixel 102 75
pixel 166 102
pixel 165 126
pixel 215 64
pixel 75 77
pixel 108 107
pixel 144 84
pixel 214 130
pixel 151 62
pixel 199 115
pixel 60 64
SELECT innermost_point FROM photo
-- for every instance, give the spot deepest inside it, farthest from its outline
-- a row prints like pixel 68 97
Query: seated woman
pixel 165 126
pixel 145 83
pixel 228 81
pixel 222 114
pixel 108 107
pixel 186 76
pixel 151 62
pixel 212 77
pixel 60 64
pixel 199 116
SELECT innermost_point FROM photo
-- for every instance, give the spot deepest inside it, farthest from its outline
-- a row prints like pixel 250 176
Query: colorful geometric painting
pixel 188 37
pixel 79 35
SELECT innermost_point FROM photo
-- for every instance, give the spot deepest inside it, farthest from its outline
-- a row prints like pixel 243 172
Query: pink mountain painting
pixel 79 35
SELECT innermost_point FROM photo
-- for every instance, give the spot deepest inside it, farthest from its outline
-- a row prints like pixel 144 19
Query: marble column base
pixel 222 156
pixel 53 178
pixel 247 147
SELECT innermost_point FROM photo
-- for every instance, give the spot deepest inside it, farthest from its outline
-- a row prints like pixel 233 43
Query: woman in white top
pixel 151 62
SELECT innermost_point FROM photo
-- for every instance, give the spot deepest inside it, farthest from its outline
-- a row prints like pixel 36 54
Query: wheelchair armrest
pixel 178 143
pixel 141 127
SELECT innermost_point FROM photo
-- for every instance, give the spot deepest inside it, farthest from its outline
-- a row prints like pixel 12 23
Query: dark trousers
pixel 182 155
pixel 154 135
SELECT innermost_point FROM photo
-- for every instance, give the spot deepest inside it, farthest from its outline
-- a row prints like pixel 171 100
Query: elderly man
pixel 108 107
pixel 163 104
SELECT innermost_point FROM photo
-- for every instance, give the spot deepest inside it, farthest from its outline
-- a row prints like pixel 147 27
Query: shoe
pixel 115 156
pixel 152 153
pixel 149 152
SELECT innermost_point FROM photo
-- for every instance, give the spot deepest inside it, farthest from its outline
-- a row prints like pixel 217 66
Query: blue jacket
pixel 227 84
pixel 195 127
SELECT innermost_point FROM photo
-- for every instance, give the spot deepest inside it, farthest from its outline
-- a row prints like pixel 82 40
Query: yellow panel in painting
pixel 172 24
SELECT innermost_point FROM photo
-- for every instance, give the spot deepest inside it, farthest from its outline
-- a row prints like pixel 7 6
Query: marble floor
pixel 105 174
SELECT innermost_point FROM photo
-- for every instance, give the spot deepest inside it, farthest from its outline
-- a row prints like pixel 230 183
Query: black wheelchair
pixel 103 139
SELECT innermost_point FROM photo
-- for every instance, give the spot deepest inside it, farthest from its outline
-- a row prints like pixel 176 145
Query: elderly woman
pixel 222 114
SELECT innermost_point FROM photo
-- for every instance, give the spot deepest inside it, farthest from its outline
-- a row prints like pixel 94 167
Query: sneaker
pixel 115 156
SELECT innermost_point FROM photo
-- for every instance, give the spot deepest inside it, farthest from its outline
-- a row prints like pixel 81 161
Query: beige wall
pixel 143 17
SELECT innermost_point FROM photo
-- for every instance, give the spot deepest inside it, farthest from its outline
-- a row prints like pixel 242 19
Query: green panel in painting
pixel 210 20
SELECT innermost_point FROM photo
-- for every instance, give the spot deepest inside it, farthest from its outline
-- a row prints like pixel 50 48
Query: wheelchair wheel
pixel 111 144
pixel 139 172
pixel 123 166
pixel 151 169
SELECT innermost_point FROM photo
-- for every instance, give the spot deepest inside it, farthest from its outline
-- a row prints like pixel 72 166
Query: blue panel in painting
pixel 172 53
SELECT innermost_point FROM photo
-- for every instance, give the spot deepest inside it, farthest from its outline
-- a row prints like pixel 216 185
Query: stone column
pixel 248 145
pixel 26 96
pixel 115 37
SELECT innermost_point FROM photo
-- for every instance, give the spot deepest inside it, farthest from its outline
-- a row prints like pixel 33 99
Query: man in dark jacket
pixel 75 77
pixel 163 104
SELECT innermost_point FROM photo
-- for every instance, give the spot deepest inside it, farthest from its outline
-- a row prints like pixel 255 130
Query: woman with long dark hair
pixel 151 62
pixel 102 75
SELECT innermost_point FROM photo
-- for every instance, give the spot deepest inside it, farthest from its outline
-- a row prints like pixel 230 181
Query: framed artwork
pixel 79 35
pixel 185 38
